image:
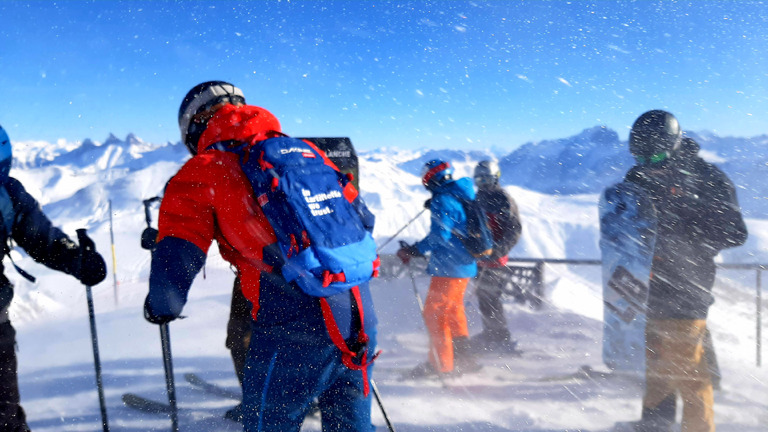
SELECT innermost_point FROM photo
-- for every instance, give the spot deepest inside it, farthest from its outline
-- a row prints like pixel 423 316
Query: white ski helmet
pixel 487 173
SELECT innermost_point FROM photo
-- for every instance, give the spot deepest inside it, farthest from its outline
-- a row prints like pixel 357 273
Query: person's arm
pixel 442 222
pixel 47 244
pixel 185 232
pixel 717 220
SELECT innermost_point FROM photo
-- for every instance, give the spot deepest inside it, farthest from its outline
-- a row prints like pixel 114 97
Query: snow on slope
pixel 74 185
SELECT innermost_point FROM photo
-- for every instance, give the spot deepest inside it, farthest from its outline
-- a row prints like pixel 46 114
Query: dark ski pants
pixel 676 363
pixel 12 417
pixel 286 371
pixel 239 329
pixel 490 289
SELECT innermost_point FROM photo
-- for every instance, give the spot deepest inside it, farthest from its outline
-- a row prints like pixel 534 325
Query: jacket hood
pixel 462 188
pixel 238 123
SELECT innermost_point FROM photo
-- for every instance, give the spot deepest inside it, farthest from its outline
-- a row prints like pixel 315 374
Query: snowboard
pixel 627 238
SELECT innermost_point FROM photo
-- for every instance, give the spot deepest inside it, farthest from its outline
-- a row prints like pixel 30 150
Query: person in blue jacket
pixel 23 221
pixel 451 267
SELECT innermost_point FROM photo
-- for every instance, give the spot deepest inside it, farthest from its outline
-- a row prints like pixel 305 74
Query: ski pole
pixel 114 257
pixel 83 238
pixel 421 308
pixel 401 230
pixel 165 340
pixel 381 406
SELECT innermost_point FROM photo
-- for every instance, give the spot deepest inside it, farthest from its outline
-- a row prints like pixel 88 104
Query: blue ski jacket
pixel 448 257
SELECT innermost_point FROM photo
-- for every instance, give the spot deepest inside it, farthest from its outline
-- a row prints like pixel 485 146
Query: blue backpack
pixel 318 218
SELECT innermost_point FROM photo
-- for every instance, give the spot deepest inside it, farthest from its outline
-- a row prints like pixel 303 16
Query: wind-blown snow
pixel 555 184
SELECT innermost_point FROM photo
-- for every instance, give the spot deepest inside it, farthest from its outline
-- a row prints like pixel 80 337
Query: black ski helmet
pixel 655 134
pixel 201 98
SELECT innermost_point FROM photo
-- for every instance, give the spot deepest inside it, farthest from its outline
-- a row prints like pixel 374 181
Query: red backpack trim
pixel 347 355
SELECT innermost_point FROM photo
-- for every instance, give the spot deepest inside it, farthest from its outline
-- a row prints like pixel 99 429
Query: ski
pixel 217 390
pixel 147 405
pixel 211 388
pixel 584 373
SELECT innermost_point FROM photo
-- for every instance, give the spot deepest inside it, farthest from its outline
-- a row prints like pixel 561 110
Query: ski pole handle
pixel 147 203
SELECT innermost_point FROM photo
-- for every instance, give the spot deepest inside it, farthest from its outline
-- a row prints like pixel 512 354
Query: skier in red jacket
pixel 292 359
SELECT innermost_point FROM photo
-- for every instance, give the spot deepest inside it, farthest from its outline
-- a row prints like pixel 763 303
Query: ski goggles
pixel 653 159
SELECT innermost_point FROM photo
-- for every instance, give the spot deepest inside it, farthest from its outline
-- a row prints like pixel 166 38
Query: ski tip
pixel 143 404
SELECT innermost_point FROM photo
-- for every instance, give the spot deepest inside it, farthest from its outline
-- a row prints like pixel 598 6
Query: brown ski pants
pixel 676 364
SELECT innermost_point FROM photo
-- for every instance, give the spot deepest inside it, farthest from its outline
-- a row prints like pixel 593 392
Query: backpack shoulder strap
pixel 7 215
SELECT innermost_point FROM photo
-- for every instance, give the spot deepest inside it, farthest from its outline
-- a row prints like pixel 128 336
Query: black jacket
pixel 699 216
pixel 34 232
pixel 503 217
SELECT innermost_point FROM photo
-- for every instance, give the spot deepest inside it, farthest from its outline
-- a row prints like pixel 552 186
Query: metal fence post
pixel 758 315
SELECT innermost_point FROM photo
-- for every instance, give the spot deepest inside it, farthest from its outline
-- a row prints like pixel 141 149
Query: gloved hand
pixel 92 269
pixel 156 319
pixel 428 203
pixel 148 238
pixel 406 252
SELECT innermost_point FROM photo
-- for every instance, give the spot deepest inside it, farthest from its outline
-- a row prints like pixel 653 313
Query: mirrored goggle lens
pixel 484 180
pixel 654 159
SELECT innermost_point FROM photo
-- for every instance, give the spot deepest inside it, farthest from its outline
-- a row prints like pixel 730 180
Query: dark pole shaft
pixel 96 359
pixel 400 230
pixel 165 339
pixel 381 406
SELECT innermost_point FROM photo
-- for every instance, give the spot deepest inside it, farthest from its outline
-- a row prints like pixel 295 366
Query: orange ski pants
pixel 445 318
pixel 675 363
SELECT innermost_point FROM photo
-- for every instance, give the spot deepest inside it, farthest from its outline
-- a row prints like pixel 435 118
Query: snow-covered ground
pixel 76 183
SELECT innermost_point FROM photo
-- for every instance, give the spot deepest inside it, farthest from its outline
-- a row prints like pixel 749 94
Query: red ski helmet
pixel 435 173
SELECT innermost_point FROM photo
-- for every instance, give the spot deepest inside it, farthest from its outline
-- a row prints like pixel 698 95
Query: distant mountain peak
pixel 112 139
pixel 601 135
pixel 133 139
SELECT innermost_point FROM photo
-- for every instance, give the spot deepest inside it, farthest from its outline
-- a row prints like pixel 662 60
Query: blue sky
pixel 442 74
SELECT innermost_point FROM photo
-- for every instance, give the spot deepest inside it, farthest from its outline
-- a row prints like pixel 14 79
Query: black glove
pixel 148 238
pixel 92 269
pixel 406 252
pixel 428 203
pixel 156 319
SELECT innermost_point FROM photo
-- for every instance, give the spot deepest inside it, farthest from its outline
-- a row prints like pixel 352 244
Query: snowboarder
pixel 451 267
pixel 698 216
pixel 24 222
pixel 292 358
pixel 493 275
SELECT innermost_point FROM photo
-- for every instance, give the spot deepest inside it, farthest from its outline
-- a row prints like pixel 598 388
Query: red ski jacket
pixel 211 199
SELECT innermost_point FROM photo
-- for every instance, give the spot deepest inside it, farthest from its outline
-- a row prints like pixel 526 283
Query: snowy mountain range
pixel 556 185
